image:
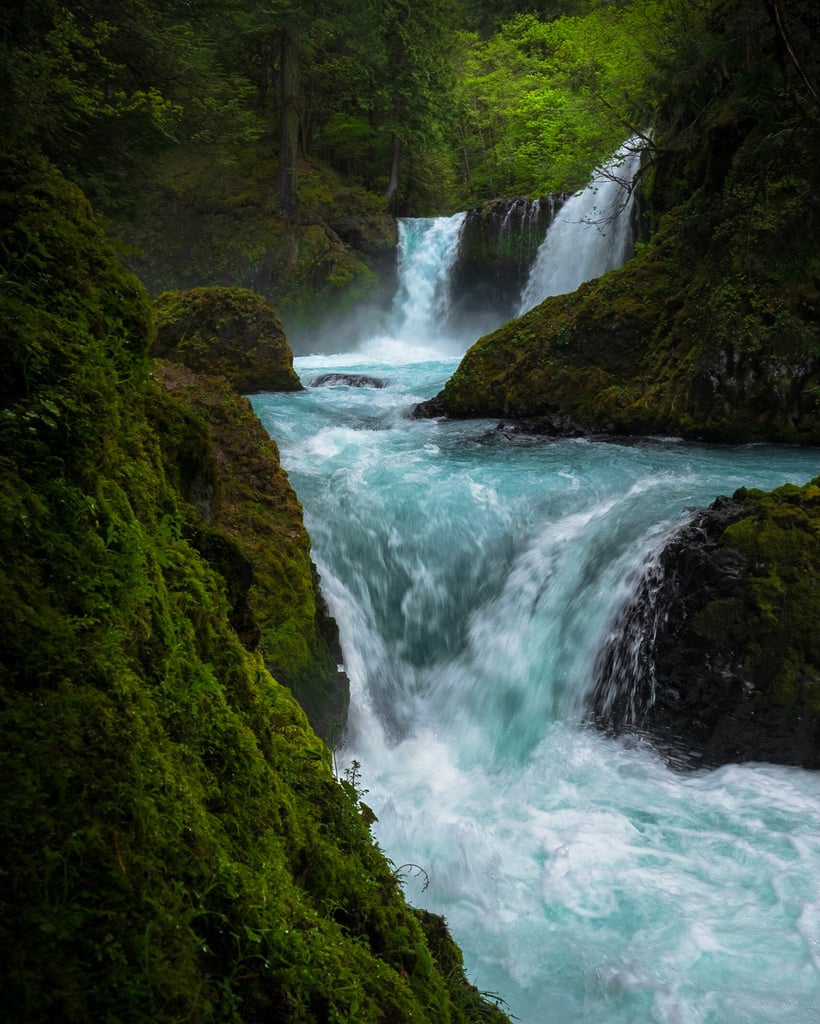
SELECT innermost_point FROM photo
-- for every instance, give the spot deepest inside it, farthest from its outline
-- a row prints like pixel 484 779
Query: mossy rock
pixel 717 658
pixel 648 349
pixel 244 493
pixel 712 331
pixel 226 331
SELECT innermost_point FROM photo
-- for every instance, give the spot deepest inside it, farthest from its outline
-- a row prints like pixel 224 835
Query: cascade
pixel 476 577
pixel 461 276
pixel 591 233
pixel 428 247
pixel 497 248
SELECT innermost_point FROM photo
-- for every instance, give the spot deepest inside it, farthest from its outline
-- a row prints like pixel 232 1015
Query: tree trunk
pixel 395 165
pixel 288 119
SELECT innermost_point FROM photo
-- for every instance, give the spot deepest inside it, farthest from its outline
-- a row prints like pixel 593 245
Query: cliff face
pixel 713 330
pixel 175 844
pixel 499 241
pixel 717 656
pixel 252 505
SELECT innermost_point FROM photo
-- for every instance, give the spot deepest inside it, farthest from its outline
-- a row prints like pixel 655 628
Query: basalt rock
pixel 499 241
pixel 351 380
pixel 716 659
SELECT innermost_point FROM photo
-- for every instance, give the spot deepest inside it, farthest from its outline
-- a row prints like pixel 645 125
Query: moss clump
pixel 768 620
pixel 227 331
pixel 175 846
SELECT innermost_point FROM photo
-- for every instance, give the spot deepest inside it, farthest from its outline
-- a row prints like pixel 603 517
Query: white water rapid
pixel 590 234
pixel 474 576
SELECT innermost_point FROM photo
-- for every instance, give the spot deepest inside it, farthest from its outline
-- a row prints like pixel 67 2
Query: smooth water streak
pixel 428 248
pixel 591 233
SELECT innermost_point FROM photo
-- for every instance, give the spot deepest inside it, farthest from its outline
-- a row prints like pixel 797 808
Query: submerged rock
pixel 717 658
pixel 351 380
pixel 227 331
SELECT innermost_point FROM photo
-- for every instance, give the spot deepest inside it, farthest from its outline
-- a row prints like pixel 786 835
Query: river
pixel 475 575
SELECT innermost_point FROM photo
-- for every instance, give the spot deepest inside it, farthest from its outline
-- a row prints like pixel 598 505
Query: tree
pixel 542 101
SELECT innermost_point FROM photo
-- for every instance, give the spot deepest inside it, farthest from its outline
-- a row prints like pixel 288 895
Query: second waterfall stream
pixel 475 575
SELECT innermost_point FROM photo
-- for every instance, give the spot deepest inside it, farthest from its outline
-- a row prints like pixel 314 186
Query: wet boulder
pixel 716 659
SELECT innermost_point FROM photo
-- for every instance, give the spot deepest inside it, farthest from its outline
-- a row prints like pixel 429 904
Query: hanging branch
pixel 778 17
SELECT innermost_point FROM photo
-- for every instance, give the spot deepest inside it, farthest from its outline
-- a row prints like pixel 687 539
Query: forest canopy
pixel 431 105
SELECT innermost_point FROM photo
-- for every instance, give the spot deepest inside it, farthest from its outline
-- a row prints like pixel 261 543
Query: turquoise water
pixel 475 576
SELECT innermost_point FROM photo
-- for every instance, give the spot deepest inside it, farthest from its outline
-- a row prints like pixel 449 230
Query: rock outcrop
pixel 243 493
pixel 225 331
pixel 717 658
pixel 712 331
pixel 499 241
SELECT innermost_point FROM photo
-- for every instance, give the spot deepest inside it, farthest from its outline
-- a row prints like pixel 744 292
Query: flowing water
pixel 591 233
pixel 474 575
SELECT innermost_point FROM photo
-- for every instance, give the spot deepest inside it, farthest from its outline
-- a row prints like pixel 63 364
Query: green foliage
pixel 94 84
pixel 175 846
pixel 542 101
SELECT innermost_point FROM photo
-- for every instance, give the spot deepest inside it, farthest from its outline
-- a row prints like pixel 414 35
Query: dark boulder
pixel 351 380
pixel 716 658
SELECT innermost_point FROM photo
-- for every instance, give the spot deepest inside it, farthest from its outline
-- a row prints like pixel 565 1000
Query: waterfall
pixel 591 233
pixel 428 247
pixel 460 277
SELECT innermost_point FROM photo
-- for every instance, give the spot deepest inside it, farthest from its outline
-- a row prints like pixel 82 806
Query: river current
pixel 475 575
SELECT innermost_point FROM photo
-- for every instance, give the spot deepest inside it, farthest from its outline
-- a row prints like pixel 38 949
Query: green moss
pixel 255 506
pixel 175 846
pixel 227 331
pixel 769 618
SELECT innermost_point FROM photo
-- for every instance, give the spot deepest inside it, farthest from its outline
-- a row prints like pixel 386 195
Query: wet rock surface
pixel 698 664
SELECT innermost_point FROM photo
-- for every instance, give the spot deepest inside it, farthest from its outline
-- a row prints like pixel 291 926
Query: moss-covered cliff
pixel 175 846
pixel 713 330
pixel 717 657
pixel 242 493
